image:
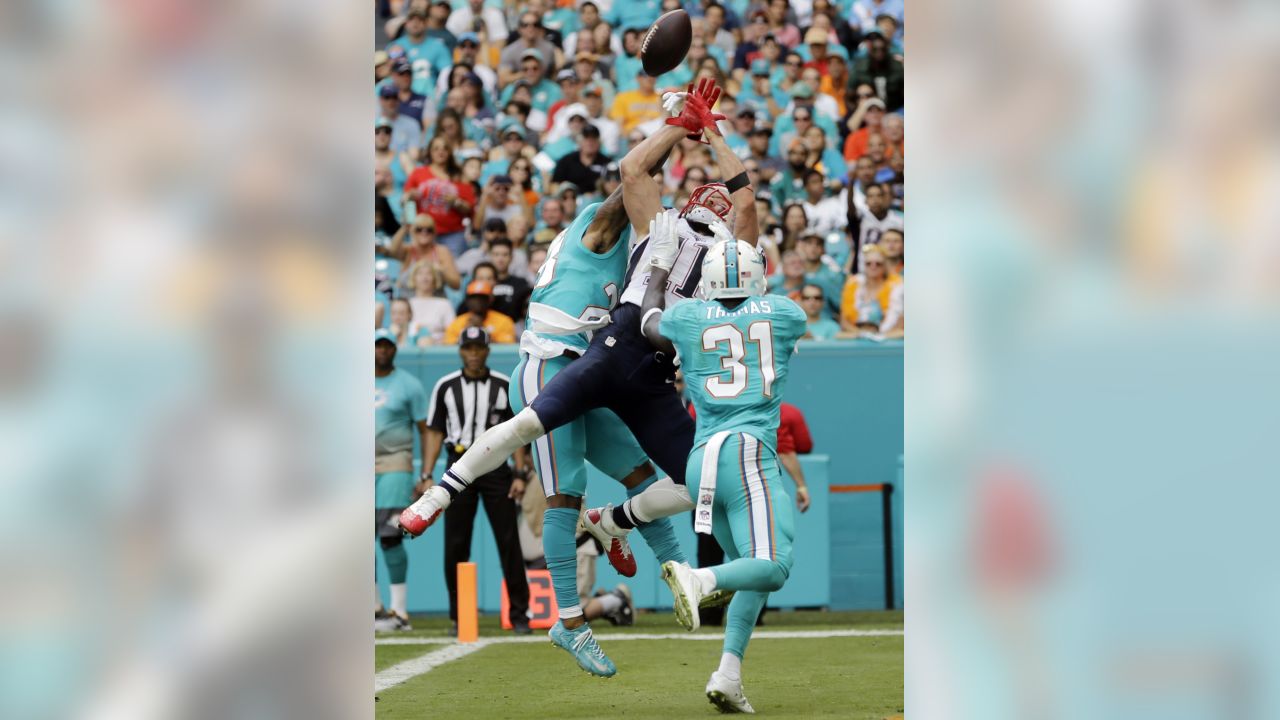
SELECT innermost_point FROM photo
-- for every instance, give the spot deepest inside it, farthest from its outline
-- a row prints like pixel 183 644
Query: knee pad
pixel 527 426
pixel 661 499
pixel 390 542
pixel 777 576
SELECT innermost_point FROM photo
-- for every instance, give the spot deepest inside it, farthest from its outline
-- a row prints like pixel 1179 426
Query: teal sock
pixel 397 563
pixel 659 534
pixel 750 574
pixel 740 620
pixel 558 529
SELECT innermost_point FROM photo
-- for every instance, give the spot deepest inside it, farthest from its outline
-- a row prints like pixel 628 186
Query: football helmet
pixel 732 269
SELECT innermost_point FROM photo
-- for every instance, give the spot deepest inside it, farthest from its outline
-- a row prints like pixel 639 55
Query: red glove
pixel 690 118
pixel 709 93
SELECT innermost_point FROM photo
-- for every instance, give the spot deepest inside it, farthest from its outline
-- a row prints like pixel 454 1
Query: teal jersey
pixel 735 362
pixel 399 401
pixel 574 291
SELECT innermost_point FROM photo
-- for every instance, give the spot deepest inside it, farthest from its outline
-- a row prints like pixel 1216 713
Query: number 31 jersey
pixel 735 361
pixel 682 282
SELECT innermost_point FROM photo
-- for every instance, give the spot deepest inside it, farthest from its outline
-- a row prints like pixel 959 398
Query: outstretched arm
pixel 642 195
pixel 747 225
pixel 662 236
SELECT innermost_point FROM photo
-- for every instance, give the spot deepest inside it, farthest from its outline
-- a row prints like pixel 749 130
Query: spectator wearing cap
pixel 744 121
pixel 866 14
pixel 818 325
pixel 412 104
pixel 468 53
pixel 880 69
pixel 568 194
pixel 633 14
pixel 497 201
pixel 473 17
pixel 481 314
pixel 827 213
pixel 758 151
pixel 819 268
pixel 511 137
pixel 542 92
pixel 805 92
pixel 891 29
pixel 463 405
pixel 587 66
pixel 781 23
pixel 429 56
pixel 381 66
pixel 816 40
pixel 397 164
pixel 570 92
pixel 753 33
pixel 530 37
pixel 585 167
pixel 867 119
pixel 406 133
pixel 634 107
pixel 761 94
pixel 510 290
pixel 799 116
pixel 787 75
pixel 595 97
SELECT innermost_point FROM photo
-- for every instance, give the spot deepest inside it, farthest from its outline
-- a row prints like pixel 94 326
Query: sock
pixel 377 596
pixel 659 534
pixel 731 666
pixel 400 598
pixel 610 603
pixel 558 529
pixel 397 563
pixel 491 449
pixel 706 579
pixel 740 621
pixel 660 499
pixel 749 574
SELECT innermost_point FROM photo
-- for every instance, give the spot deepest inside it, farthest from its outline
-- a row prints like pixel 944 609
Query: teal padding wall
pixel 852 395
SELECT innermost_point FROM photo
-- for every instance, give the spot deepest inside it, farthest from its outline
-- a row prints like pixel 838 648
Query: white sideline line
pixel 454 650
pixel 613 637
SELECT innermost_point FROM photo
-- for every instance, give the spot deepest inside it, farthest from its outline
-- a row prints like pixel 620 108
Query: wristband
pixel 737 182
pixel 645 320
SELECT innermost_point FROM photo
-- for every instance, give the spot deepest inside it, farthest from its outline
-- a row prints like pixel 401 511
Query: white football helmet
pixel 732 269
pixel 707 204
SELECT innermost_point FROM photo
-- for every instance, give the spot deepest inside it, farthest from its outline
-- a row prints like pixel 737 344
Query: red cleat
pixel 617 549
pixel 415 519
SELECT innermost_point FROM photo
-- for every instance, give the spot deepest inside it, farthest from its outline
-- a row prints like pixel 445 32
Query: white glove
pixel 673 103
pixel 721 232
pixel 663 240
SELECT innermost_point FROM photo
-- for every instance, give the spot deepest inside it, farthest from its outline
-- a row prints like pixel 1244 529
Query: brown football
pixel 666 43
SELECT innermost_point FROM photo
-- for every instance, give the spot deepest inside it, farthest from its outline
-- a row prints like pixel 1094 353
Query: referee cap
pixel 473 336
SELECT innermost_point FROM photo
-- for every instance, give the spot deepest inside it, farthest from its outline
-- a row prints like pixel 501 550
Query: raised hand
pixel 709 93
pixel 664 241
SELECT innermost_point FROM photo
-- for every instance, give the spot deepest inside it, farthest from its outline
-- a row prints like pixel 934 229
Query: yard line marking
pixel 422 664
pixel 614 637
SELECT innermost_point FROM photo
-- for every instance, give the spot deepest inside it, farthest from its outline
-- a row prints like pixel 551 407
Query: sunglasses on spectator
pixel 424 230
pixel 386 130
pixel 810 297
pixel 874 263
pixel 528 24
pixel 805 118
pixel 792 63
pixel 468 43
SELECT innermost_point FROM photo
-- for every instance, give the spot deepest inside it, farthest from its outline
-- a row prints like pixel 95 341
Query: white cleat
pixel 686 592
pixel 727 695
pixel 419 516
pixel 599 522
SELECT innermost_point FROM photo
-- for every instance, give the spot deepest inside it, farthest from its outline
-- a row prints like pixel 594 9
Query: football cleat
pixel 391 621
pixel 599 522
pixel 416 518
pixel 685 593
pixel 727 695
pixel 582 645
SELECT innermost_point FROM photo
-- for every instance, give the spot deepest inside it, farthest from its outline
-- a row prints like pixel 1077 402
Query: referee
pixel 463 405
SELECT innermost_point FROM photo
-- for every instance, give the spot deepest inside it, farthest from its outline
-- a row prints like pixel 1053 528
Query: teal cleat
pixel 582 645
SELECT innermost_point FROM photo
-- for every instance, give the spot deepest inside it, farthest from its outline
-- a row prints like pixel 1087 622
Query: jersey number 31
pixel 759 332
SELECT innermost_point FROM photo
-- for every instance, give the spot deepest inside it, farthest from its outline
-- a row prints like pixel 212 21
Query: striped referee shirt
pixel 462 408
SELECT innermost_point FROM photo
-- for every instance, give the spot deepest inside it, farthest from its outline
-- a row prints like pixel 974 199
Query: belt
pixel 707 488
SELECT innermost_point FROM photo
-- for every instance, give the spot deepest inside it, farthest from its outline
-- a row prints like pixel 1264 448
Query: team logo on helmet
pixel 707 204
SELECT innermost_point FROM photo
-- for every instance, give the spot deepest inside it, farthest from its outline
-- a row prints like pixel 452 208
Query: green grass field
pixel 846 677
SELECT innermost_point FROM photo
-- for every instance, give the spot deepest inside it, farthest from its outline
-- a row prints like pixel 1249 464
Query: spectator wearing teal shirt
pixel 757 94
pixel 628 64
pixel 638 14
pixel 818 326
pixel 821 270
pixel 511 133
pixel 788 184
pixel 430 56
pixel 544 92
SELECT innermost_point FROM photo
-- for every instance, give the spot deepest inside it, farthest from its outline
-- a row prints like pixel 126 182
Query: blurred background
pixel 1090 399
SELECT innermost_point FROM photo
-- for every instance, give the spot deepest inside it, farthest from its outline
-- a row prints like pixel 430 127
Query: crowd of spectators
pixel 497 121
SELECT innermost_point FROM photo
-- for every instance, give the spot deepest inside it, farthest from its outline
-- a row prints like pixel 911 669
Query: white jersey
pixel 871 227
pixel 682 283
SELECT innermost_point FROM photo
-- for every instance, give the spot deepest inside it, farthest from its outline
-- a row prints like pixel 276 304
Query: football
pixel 666 43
